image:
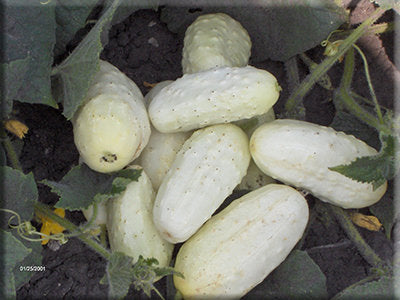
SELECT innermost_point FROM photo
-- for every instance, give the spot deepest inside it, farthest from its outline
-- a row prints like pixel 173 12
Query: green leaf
pixel 19 194
pixel 81 186
pixel 34 258
pixel 298 277
pixel 123 178
pixel 384 211
pixel 76 72
pixel 12 252
pixel 380 289
pixel 71 16
pixel 28 41
pixel 374 169
pixel 266 21
pixel 146 273
pixel 11 75
pixel 119 274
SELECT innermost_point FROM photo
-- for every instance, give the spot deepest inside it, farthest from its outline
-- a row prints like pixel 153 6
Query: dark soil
pixel 143 48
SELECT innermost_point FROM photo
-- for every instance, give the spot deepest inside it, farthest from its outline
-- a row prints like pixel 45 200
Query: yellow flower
pixel 51 227
pixel 16 127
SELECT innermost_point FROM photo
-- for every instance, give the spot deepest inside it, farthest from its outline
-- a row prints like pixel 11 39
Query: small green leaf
pixel 19 194
pixel 81 186
pixel 28 40
pixel 123 178
pixel 298 277
pixel 146 273
pixel 76 72
pixel 380 289
pixel 119 274
pixel 12 252
pixel 374 169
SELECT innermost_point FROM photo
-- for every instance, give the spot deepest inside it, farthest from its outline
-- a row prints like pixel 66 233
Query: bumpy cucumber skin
pixel 112 127
pixel 255 178
pixel 155 90
pixel 130 223
pixel 159 154
pixel 299 153
pixel 219 95
pixel 237 248
pixel 205 171
pixel 215 40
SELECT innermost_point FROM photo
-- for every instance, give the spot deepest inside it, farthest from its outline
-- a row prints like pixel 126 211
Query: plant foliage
pixel 376 169
pixel 82 186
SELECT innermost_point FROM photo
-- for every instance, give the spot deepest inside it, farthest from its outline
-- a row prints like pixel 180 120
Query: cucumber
pixel 300 153
pixel 112 127
pixel 215 40
pixel 219 95
pixel 205 171
pixel 130 223
pixel 237 248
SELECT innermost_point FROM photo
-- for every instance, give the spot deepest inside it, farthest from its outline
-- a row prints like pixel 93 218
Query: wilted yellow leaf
pixel 368 222
pixel 16 127
pixel 148 84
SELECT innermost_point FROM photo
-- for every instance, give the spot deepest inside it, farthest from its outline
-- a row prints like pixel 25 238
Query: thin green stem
pixel 365 250
pixel 11 154
pixel 43 209
pixel 366 100
pixel 373 29
pixel 293 79
pixel 324 81
pixel 370 86
pixel 296 98
pixel 349 103
pixel 89 223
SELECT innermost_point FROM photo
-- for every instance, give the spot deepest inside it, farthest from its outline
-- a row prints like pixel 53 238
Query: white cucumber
pixel 219 95
pixel 205 171
pixel 215 40
pixel 112 126
pixel 159 154
pixel 237 248
pixel 155 90
pixel 255 178
pixel 101 216
pixel 299 153
pixel 130 223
